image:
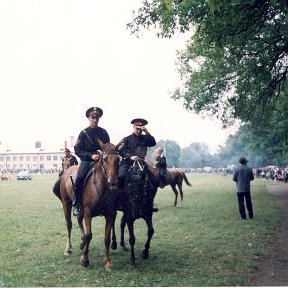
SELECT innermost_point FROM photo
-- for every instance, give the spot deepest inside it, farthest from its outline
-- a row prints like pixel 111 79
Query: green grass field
pixel 205 243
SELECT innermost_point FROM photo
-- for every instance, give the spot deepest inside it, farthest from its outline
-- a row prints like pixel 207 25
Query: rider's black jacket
pixel 136 145
pixel 87 144
pixel 161 162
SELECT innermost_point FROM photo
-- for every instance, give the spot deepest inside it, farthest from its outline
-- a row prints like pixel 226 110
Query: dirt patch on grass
pixel 273 268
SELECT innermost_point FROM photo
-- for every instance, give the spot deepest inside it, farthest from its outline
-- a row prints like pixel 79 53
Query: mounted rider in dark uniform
pixel 68 160
pixel 86 148
pixel 134 148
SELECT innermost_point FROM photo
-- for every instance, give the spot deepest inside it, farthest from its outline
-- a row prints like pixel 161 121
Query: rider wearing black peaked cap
pixel 134 147
pixel 86 148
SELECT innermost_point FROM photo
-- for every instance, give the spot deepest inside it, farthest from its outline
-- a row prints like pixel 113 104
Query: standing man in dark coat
pixel 242 176
pixel 87 149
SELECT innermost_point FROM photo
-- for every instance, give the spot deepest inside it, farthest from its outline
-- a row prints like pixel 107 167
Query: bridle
pixel 103 163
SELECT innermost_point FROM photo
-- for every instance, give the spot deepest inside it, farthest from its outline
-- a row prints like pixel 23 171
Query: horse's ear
pixel 101 144
pixel 120 143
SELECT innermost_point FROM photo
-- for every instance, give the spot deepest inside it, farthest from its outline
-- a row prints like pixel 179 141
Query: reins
pixel 104 172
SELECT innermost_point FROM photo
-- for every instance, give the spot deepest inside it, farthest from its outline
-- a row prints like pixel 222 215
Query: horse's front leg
pixel 176 194
pixel 130 225
pixel 181 193
pixel 82 231
pixel 150 232
pixel 67 213
pixel 122 228
pixel 107 240
pixel 84 259
pixel 114 240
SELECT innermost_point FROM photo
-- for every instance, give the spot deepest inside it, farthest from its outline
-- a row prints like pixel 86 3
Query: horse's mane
pixel 151 167
pixel 110 148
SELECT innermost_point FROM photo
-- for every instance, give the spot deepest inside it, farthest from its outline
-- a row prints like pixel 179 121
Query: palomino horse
pixel 174 177
pixel 135 201
pixel 99 196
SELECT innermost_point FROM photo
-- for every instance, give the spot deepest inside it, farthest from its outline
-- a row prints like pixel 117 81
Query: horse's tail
pixel 56 188
pixel 186 179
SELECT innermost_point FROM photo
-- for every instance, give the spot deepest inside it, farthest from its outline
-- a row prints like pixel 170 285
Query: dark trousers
pixel 247 197
pixel 122 173
pixel 162 174
pixel 81 174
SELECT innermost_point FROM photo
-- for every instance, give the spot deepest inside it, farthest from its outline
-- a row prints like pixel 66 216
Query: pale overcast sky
pixel 60 57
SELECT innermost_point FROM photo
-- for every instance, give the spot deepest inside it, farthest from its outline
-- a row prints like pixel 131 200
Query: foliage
pixel 235 65
pixel 186 244
pixel 195 155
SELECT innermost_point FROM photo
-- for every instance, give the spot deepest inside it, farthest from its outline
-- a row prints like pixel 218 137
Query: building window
pixel 48 158
pixel 55 158
pixel 1 158
pixel 14 158
pixel 27 158
pixel 41 158
pixel 8 158
pixel 21 158
pixel 34 158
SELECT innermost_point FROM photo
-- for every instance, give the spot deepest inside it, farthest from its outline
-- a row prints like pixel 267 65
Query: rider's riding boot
pixel 76 201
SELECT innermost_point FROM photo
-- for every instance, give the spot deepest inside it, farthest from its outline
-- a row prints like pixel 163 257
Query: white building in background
pixel 37 159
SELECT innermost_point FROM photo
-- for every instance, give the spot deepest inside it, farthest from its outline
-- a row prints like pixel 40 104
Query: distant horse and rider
pixel 174 177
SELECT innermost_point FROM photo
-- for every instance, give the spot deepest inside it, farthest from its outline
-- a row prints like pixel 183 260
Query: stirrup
pixel 76 211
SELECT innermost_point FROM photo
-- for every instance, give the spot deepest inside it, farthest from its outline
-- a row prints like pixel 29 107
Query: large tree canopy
pixel 240 48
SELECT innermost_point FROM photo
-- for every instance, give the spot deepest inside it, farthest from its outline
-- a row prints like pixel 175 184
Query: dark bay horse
pixel 174 177
pixel 136 201
pixel 99 196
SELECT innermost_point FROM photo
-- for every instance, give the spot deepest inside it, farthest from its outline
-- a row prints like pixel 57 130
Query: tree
pixel 173 150
pixel 196 155
pixel 240 48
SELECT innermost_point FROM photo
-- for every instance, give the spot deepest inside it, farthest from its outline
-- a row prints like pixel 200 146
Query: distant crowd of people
pixel 272 173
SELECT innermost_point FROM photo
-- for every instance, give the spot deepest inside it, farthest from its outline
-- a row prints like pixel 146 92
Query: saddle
pixel 73 176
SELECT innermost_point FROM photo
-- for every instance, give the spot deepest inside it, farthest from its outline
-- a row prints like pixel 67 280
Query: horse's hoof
pixel 108 268
pixel 145 254
pixel 133 263
pixel 114 245
pixel 124 247
pixel 84 263
pixel 67 253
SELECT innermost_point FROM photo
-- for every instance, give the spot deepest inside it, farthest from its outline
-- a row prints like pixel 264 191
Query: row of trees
pixel 197 155
pixel 234 68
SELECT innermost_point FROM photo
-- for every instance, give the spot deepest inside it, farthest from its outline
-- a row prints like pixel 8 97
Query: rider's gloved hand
pixel 135 158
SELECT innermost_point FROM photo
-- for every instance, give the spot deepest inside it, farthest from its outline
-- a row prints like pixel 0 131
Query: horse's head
pixel 110 163
pixel 137 191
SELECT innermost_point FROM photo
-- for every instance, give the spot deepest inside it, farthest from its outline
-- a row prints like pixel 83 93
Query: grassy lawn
pixel 204 243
